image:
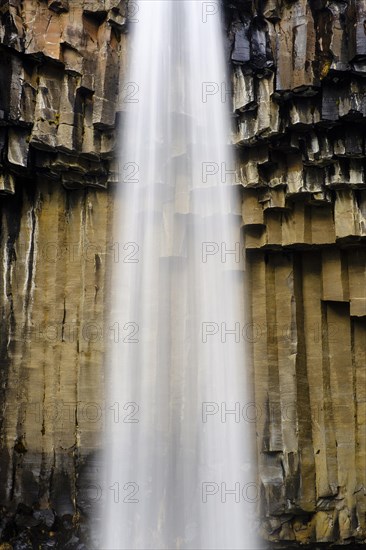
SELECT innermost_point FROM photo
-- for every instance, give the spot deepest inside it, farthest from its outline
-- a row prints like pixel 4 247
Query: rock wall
pixel 54 245
pixel 60 67
pixel 298 102
pixel 299 87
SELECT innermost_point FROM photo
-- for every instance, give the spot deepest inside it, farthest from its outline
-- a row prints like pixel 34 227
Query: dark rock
pixel 46 517
pixel 241 50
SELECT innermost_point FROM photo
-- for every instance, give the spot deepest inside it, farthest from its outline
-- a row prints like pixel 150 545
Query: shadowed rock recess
pixel 299 118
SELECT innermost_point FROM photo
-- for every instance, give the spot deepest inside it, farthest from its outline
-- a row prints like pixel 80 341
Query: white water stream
pixel 177 468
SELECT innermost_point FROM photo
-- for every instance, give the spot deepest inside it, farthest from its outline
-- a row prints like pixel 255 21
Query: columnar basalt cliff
pixel 299 118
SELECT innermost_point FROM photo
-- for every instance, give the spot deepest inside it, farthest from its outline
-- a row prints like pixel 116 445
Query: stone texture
pixel 300 125
pixel 60 62
pixel 299 118
pixel 54 245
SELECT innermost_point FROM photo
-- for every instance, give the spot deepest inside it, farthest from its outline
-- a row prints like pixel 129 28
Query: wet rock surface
pixel 298 71
pixel 298 78
pixel 299 125
pixel 42 529
pixel 60 65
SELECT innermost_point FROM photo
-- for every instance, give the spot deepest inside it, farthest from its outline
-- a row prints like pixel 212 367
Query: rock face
pixel 59 66
pixel 299 117
pixel 60 82
pixel 299 86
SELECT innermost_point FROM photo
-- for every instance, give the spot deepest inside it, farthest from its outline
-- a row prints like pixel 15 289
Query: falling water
pixel 177 468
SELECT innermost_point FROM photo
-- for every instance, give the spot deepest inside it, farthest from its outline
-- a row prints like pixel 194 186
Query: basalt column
pixel 298 72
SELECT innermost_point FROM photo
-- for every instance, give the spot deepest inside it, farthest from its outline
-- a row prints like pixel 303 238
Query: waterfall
pixel 178 468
